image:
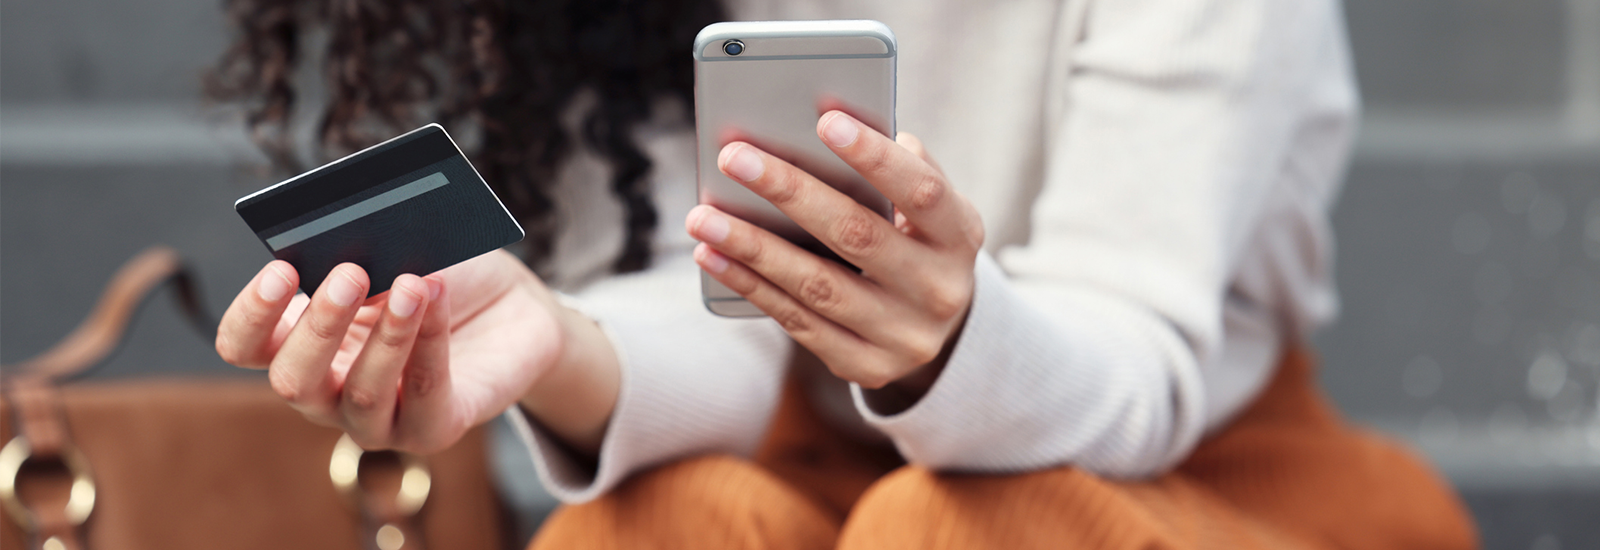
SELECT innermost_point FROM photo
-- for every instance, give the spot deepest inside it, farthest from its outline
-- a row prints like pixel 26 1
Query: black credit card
pixel 412 204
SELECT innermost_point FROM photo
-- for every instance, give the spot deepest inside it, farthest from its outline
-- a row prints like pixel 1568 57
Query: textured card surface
pixel 412 204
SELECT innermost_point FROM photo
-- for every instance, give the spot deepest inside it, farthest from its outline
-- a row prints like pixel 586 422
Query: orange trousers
pixel 1287 473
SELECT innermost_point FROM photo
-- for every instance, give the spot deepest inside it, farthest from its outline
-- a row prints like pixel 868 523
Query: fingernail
pixel 273 286
pixel 713 227
pixel 342 290
pixel 403 302
pixel 712 261
pixel 744 164
pixel 840 131
pixel 434 286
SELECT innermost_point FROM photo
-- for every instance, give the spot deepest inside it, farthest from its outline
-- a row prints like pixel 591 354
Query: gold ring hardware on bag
pixel 415 482
pixel 345 470
pixel 79 504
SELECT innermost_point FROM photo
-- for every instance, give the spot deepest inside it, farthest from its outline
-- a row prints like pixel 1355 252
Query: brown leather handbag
pixel 210 463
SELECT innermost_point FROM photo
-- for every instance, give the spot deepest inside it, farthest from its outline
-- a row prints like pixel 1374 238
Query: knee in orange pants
pixel 704 502
pixel 1058 508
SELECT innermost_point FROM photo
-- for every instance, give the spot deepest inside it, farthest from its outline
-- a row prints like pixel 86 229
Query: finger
pixel 301 372
pixel 245 337
pixel 916 187
pixel 857 234
pixel 914 144
pixel 821 286
pixel 366 320
pixel 367 399
pixel 846 354
pixel 426 423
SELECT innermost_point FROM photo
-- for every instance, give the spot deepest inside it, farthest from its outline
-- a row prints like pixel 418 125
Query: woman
pixel 1098 302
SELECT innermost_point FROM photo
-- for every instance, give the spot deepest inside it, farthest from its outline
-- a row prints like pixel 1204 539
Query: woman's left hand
pixel 893 322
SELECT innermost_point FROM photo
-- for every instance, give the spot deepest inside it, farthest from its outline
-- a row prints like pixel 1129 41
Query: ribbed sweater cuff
pixel 566 476
pixel 679 395
pixel 1025 390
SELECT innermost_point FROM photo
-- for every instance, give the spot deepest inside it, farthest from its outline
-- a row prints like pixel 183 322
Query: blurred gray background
pixel 1469 229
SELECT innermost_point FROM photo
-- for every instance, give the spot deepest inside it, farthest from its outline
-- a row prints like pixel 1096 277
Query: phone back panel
pixel 771 95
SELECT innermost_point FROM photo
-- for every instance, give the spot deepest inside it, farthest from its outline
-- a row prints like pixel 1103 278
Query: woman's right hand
pixel 416 367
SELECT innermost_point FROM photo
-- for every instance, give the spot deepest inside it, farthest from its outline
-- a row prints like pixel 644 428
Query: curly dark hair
pixel 500 72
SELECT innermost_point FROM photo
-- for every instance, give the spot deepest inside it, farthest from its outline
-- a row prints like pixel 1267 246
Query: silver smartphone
pixel 766 83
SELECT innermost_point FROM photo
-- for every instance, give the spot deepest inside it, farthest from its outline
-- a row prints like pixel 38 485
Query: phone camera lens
pixel 733 47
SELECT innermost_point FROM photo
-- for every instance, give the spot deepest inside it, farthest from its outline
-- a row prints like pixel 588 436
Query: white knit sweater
pixel 1154 176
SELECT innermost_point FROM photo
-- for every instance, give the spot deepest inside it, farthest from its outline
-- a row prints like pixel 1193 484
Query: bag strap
pixel 106 327
pixel 30 389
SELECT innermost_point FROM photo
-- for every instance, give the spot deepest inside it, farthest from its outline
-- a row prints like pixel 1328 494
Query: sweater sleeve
pixel 1088 345
pixel 692 382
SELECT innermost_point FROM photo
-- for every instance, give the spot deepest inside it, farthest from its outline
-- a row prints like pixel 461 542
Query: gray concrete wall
pixel 1461 54
pixel 82 51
